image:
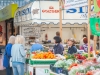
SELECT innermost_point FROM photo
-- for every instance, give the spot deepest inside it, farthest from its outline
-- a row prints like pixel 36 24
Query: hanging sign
pixel 96 5
pixel 95 26
pixel 75 3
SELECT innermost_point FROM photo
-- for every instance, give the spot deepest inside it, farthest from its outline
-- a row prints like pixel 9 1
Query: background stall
pixel 36 20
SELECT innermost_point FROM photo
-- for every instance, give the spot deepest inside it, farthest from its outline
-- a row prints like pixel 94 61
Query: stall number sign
pixel 42 71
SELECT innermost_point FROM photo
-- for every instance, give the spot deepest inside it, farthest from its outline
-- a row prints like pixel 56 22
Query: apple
pixel 98 3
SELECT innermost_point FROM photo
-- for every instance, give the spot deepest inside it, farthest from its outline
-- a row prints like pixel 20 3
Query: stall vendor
pixel 58 48
pixel 71 47
pixel 36 46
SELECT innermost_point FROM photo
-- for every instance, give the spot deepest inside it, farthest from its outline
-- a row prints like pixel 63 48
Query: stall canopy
pixel 46 12
pixel 8 12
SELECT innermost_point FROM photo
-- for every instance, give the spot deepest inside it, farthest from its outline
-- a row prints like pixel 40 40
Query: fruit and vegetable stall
pixel 38 63
pixel 77 64
pixel 47 63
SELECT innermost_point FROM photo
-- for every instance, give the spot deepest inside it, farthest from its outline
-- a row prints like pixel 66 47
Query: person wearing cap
pixel 36 46
pixel 58 48
pixel 72 49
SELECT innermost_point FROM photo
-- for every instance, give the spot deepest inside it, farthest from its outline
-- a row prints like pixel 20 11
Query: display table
pixel 39 66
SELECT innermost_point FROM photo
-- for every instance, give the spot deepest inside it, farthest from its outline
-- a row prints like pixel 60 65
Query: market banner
pixel 96 5
pixel 37 13
pixel 95 26
pixel 75 3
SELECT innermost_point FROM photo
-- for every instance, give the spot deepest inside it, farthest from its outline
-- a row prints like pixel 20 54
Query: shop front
pixel 6 23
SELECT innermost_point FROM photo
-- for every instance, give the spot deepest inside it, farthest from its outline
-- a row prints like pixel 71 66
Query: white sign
pixel 75 3
pixel 49 10
pixel 77 15
pixel 42 71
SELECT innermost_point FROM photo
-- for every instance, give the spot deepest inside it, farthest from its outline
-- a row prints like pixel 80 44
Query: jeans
pixel 8 71
pixel 18 68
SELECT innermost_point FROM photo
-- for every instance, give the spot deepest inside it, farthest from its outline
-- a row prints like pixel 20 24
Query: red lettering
pixel 43 11
pixel 50 11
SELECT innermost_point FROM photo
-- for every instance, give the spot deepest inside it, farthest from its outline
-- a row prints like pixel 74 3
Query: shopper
pixel 58 48
pixel 71 47
pixel 18 55
pixel 7 55
pixel 36 46
pixel 85 45
pixel 81 41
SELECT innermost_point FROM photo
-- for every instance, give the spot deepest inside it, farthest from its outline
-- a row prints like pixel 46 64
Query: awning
pixel 8 12
pixel 46 12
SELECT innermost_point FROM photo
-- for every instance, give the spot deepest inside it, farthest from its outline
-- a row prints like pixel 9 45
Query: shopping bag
pixel 1 62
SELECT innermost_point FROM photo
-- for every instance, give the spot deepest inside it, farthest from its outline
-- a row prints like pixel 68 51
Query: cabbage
pixel 59 63
pixel 64 63
pixel 74 70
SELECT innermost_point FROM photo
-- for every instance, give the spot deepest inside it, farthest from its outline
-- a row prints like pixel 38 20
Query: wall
pixel 51 30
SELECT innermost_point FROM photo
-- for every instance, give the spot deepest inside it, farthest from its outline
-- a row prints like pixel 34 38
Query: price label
pixel 42 71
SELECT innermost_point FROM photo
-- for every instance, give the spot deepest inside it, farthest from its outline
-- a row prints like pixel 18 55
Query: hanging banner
pixel 96 5
pixel 75 3
pixel 95 26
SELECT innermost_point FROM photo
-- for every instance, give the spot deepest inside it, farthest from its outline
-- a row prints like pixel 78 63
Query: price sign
pixel 42 71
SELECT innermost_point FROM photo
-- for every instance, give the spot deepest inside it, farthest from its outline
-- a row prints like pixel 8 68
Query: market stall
pixel 39 20
pixel 34 18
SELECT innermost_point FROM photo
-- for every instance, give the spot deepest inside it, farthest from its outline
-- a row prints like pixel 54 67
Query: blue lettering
pixel 80 10
pixel 23 12
pixel 71 11
pixel 92 8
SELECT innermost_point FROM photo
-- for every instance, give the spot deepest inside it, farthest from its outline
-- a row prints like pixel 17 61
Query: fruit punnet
pixel 44 55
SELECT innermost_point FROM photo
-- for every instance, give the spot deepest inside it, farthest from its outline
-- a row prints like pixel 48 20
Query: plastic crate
pixel 42 61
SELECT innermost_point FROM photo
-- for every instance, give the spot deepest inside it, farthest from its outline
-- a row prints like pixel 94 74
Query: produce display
pixel 44 55
pixel 72 65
